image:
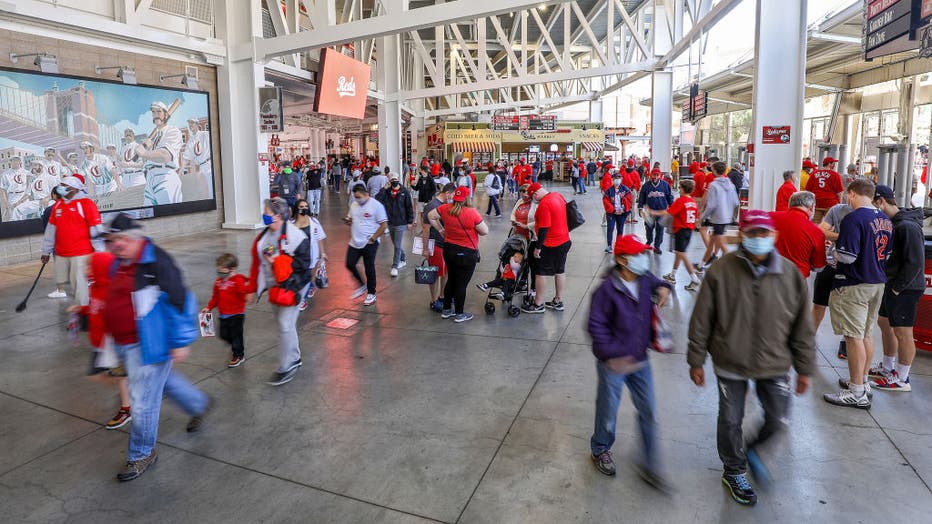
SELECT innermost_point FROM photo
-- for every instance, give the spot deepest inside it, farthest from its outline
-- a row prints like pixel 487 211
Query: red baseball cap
pixel 533 188
pixel 630 245
pixel 809 164
pixel 704 165
pixel 757 219
pixel 656 172
pixel 461 194
pixel 829 160
pixel 630 162
pixel 694 167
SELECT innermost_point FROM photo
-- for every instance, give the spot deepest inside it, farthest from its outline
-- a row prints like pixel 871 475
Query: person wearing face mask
pixel 282 238
pixel 367 220
pixel 230 294
pixel 617 201
pixel 72 233
pixel 798 238
pixel 399 207
pixel 655 197
pixel 621 329
pixel 315 232
pixel 752 317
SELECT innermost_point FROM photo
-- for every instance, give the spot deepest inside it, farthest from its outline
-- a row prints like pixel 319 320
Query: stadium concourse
pixel 404 417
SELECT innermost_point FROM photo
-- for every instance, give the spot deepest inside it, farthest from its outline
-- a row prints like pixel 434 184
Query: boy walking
pixel 620 327
pixel 231 292
pixel 685 212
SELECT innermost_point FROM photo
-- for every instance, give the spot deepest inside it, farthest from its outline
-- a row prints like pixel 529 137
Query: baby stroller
pixel 514 244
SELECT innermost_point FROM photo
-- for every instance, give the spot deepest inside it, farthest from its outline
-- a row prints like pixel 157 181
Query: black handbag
pixel 424 274
pixel 574 217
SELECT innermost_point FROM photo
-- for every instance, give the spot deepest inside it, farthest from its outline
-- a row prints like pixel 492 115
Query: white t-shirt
pixel 317 234
pixel 366 220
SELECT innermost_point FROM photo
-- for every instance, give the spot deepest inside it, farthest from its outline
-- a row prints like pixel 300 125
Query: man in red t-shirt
pixel 522 173
pixel 785 191
pixel 826 184
pixel 553 234
pixel 73 225
pixel 685 213
pixel 798 238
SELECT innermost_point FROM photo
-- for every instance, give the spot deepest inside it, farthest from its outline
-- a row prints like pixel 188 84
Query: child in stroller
pixel 510 275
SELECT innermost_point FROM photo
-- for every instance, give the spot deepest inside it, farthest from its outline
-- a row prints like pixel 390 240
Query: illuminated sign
pixel 343 86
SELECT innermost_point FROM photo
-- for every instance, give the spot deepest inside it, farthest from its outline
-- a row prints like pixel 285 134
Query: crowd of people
pixel 866 253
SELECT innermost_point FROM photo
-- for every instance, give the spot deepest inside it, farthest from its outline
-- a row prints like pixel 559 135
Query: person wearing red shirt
pixel 522 173
pixel 826 184
pixel 553 235
pixel 435 169
pixel 798 238
pixel 583 177
pixel 685 213
pixel 785 191
pixel 74 225
pixel 231 292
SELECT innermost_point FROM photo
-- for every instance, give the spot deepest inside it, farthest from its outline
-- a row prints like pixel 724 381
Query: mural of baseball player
pixel 98 171
pixel 131 167
pixel 197 156
pixel 53 166
pixel 160 152
pixel 39 192
pixel 14 185
pixel 71 164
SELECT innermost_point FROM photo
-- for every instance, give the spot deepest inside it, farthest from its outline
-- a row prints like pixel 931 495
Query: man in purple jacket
pixel 620 327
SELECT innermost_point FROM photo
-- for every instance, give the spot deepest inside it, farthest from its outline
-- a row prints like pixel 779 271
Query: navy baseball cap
pixel 883 191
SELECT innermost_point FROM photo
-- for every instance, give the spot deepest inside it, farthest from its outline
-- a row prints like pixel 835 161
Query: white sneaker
pixel 393 272
pixel 370 299
pixel 847 398
pixel 58 294
pixel 670 277
pixel 360 291
pixel 402 264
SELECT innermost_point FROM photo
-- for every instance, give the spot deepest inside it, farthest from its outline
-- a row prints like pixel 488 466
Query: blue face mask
pixel 638 264
pixel 61 191
pixel 267 219
pixel 758 246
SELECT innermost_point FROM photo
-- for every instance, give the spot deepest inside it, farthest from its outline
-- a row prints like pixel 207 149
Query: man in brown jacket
pixel 752 316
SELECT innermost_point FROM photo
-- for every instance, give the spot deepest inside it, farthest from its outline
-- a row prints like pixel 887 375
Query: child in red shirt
pixel 685 213
pixel 231 291
pixel 508 277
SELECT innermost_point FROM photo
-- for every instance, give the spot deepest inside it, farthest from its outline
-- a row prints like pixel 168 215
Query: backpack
pixel 496 182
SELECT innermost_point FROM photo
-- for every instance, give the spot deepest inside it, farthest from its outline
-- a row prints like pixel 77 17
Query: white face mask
pixel 638 264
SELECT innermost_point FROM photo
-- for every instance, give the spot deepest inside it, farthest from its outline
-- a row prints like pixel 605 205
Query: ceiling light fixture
pixel 126 74
pixel 47 63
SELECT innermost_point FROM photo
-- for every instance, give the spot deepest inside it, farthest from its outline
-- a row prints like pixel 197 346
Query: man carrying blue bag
pixel 152 318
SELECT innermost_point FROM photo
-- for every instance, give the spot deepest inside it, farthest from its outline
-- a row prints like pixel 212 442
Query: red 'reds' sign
pixel 343 85
pixel 776 135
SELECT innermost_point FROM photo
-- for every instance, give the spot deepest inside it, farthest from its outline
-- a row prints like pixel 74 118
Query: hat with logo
pixel 122 223
pixel 461 194
pixel 533 188
pixel 757 219
pixel 829 160
pixel 630 245
pixel 882 191
pixel 809 164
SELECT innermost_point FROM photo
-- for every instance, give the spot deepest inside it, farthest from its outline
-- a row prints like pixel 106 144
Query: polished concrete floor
pixel 405 417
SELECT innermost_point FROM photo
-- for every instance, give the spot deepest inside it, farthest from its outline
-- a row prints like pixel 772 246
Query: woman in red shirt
pixel 460 224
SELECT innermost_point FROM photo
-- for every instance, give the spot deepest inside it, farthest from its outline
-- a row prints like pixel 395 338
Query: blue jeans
pixel 493 202
pixel 146 384
pixel 654 231
pixel 614 222
pixel 608 398
pixel 398 236
pixel 512 186
pixel 313 198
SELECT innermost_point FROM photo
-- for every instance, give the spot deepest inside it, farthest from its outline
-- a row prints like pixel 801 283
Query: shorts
pixel 855 308
pixel 822 287
pixel 900 309
pixel 681 240
pixel 718 229
pixel 437 260
pixel 553 259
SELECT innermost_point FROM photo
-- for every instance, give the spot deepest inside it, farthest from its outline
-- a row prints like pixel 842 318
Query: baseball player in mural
pixel 71 164
pixel 14 189
pixel 98 171
pixel 39 192
pixel 197 155
pixel 160 152
pixel 52 166
pixel 131 167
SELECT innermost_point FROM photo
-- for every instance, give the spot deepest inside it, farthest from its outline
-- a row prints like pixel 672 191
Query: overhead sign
pixel 697 106
pixel 776 135
pixel 271 119
pixel 891 26
pixel 524 123
pixel 343 86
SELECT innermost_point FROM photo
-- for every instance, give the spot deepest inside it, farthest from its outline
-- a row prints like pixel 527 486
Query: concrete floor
pixel 408 418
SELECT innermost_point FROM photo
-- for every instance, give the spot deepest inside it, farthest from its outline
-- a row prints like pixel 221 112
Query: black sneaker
pixel 533 308
pixel 134 468
pixel 482 287
pixel 295 365
pixel 654 479
pixel 554 304
pixel 283 378
pixel 604 463
pixel 740 489
pixel 196 423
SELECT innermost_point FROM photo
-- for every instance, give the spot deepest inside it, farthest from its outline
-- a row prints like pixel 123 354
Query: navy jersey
pixel 866 236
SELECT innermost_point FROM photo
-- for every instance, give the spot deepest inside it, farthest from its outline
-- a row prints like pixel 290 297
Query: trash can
pixel 922 332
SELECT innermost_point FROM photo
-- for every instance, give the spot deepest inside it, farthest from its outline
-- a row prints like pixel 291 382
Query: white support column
pixel 779 92
pixel 389 82
pixel 661 115
pixel 418 128
pixel 238 81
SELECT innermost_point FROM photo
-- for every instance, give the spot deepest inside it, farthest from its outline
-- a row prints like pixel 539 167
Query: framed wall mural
pixel 141 149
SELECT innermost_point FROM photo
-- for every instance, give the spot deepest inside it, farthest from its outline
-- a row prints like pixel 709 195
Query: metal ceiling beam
pixel 840 39
pixel 388 24
pixel 510 105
